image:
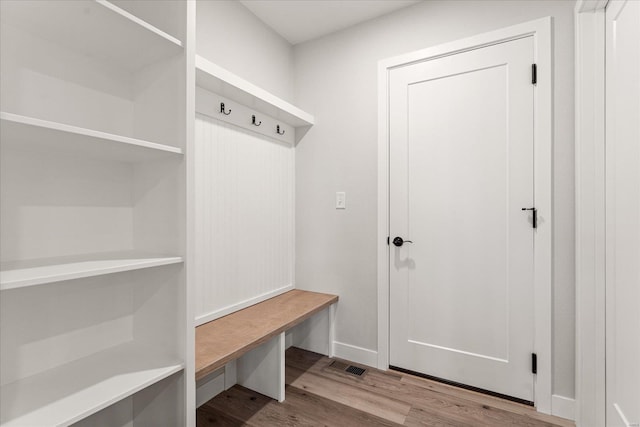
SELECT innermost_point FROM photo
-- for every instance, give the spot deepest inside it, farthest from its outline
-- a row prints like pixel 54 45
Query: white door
pixel 623 213
pixel 461 171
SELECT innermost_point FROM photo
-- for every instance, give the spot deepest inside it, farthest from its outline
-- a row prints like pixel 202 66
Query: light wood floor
pixel 320 395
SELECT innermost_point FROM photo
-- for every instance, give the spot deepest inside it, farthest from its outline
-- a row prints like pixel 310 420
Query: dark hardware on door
pixel 253 121
pixel 222 109
pixel 534 211
pixel 398 241
pixel 534 363
pixel 534 74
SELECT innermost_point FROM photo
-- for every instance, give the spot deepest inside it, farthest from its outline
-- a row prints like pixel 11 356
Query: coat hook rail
pixel 253 121
pixel 278 130
pixel 222 109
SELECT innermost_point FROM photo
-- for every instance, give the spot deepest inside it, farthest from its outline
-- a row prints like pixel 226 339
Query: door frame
pixel 540 29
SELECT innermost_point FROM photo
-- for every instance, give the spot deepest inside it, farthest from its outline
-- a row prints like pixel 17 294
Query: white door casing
pixel 540 32
pixel 461 170
pixel 622 178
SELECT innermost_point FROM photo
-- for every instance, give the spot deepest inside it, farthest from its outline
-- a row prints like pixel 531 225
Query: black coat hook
pixel 222 109
pixel 278 130
pixel 253 121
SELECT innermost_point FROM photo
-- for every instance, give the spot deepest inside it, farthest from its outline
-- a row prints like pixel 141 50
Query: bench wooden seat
pixel 227 338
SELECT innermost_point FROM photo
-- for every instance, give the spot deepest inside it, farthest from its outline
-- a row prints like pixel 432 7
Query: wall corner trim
pixel 590 211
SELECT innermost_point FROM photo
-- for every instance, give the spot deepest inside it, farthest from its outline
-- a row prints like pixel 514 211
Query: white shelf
pixel 71 392
pixel 38 272
pixel 218 80
pixel 31 133
pixel 109 33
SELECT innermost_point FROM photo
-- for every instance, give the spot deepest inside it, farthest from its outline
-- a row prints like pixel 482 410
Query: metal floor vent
pixel 353 370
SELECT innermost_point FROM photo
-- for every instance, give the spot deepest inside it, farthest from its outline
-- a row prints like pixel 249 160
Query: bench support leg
pixel 332 329
pixel 262 369
pixel 230 372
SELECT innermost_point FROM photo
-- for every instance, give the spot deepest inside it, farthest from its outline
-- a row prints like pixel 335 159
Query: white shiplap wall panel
pixel 244 217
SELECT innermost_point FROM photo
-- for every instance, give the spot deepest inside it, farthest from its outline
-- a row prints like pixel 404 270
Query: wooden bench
pixel 255 338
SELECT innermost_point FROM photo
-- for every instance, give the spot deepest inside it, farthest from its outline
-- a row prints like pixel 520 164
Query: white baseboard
pixel 213 315
pixel 563 407
pixel 355 354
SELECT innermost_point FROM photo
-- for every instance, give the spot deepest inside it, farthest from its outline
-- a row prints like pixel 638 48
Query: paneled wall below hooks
pixel 209 104
pixel 244 218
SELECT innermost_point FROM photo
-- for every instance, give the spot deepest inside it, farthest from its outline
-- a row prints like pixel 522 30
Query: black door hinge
pixel 534 218
pixel 387 240
pixel 534 74
pixel 534 363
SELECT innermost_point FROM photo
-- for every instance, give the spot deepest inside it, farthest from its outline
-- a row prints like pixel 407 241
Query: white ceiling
pixel 302 20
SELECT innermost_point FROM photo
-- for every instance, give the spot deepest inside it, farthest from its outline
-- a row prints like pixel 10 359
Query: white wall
pixel 336 80
pixel 228 34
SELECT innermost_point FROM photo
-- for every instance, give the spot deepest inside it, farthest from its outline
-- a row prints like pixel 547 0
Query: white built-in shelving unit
pixel 101 196
pixel 95 327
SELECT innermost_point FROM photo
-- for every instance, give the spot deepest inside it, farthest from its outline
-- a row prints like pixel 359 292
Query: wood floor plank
pixel 330 413
pixel 453 407
pixel 254 409
pixel 491 401
pixel 373 403
pixel 207 416
pixel 439 387
pixel 419 417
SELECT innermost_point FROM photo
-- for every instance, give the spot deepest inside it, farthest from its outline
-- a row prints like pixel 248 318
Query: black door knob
pixel 398 241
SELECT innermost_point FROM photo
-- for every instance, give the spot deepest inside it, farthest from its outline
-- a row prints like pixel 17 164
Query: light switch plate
pixel 341 200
